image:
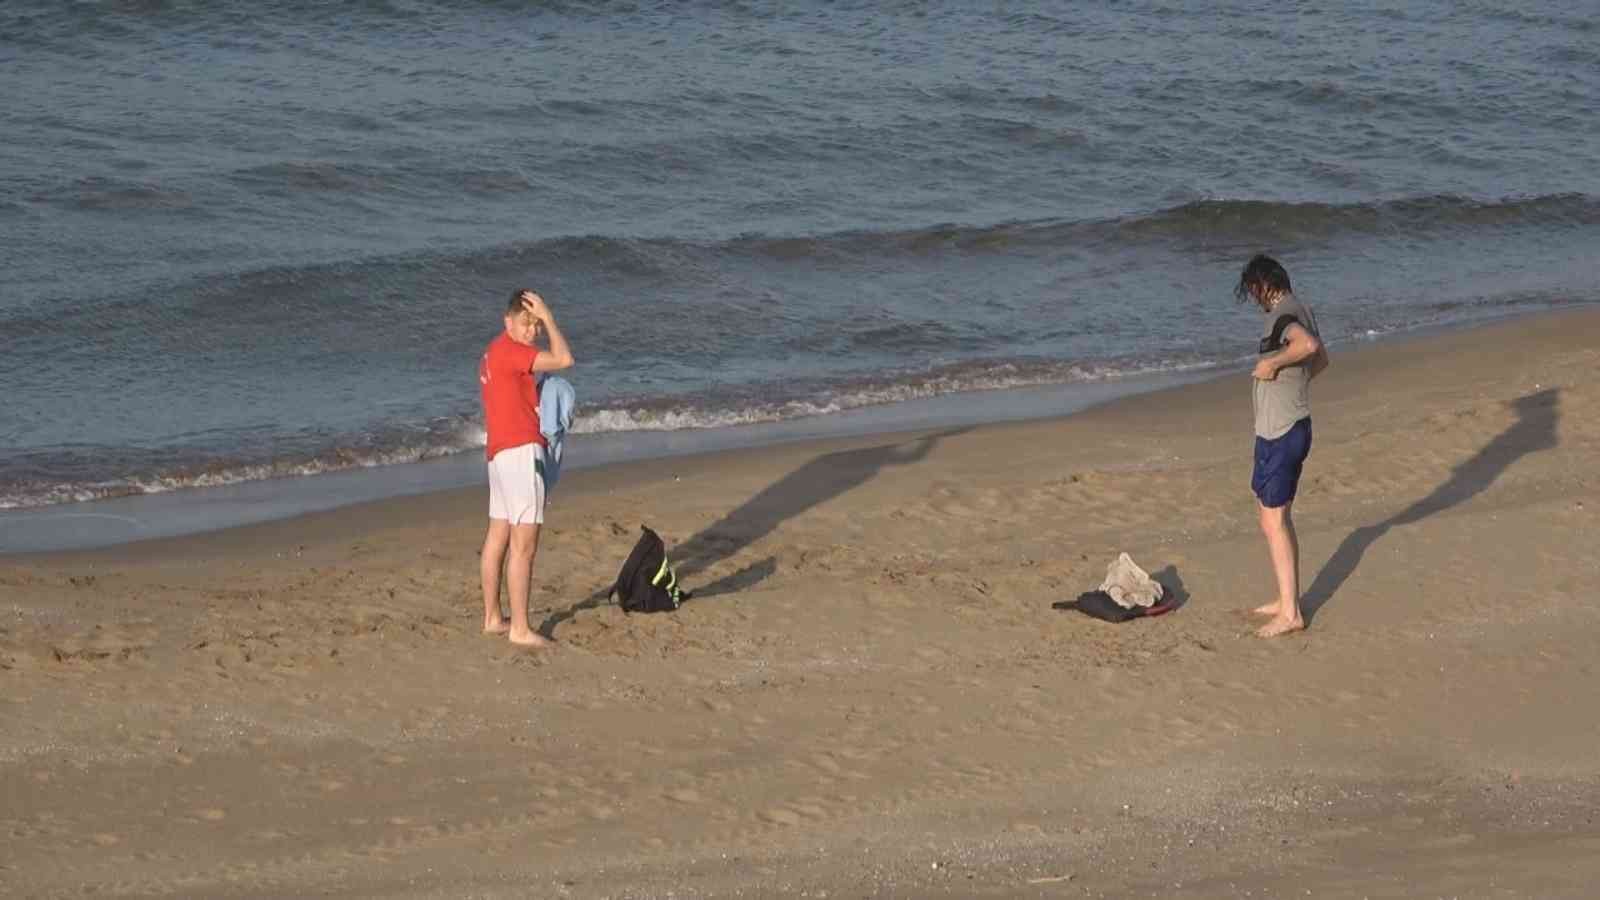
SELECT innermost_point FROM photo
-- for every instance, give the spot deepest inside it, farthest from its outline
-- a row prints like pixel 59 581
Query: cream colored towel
pixel 1130 585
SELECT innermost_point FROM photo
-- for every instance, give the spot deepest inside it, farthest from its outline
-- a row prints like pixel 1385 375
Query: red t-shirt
pixel 510 395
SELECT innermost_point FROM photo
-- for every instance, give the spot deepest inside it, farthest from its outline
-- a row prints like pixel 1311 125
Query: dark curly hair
pixel 1264 273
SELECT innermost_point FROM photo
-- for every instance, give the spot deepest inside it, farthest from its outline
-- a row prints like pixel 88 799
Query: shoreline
pixel 140 518
pixel 192 511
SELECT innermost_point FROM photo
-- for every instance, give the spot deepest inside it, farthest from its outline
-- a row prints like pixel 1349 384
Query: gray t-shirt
pixel 1286 399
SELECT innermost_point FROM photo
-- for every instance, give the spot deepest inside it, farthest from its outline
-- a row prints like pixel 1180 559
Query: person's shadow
pixel 822 479
pixel 1534 430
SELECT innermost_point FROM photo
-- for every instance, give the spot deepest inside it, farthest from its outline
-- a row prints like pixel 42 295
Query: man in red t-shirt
pixel 516 458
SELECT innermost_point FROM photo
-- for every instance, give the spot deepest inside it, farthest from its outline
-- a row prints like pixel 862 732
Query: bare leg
pixel 1277 523
pixel 519 581
pixel 489 563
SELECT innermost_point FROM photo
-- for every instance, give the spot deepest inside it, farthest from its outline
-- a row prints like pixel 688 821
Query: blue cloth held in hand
pixel 556 400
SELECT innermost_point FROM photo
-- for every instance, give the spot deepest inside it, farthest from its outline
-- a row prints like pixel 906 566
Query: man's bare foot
pixel 1281 625
pixel 1267 609
pixel 496 627
pixel 527 639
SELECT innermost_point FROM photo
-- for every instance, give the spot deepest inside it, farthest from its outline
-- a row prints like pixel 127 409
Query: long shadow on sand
pixel 822 479
pixel 1534 430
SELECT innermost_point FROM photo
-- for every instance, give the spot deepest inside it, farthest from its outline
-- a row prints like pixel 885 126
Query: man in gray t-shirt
pixel 1291 354
pixel 1281 393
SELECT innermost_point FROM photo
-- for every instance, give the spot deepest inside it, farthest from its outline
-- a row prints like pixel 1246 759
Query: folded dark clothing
pixel 1100 605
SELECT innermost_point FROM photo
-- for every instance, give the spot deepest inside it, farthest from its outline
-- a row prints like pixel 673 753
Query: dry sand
pixel 872 696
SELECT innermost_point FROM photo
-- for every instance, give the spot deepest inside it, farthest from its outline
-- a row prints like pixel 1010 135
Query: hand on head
pixel 535 305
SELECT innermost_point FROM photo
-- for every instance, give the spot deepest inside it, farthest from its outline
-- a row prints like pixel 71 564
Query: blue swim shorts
pixel 1278 463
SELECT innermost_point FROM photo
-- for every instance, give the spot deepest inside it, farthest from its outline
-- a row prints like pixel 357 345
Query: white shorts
pixel 516 485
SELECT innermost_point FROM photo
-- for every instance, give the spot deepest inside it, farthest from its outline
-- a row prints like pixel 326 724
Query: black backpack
pixel 647 582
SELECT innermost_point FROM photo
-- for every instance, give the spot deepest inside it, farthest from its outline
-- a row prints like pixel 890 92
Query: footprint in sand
pixel 781 816
pixel 685 795
pixel 827 764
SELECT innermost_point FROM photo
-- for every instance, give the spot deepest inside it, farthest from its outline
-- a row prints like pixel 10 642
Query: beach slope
pixel 870 694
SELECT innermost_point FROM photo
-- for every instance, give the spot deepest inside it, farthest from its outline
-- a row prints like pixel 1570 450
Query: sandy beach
pixel 871 694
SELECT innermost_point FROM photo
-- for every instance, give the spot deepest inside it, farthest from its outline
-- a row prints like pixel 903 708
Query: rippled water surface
pixel 245 240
